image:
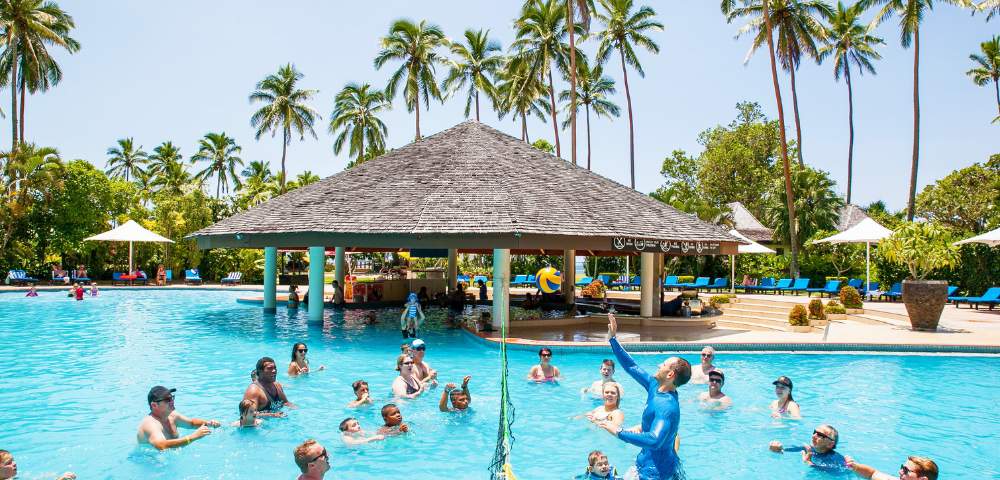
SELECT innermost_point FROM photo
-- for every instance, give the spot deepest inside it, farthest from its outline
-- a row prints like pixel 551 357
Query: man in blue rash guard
pixel 657 460
pixel 821 453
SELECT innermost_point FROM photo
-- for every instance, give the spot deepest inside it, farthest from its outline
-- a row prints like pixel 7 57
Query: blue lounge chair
pixel 519 280
pixel 170 276
pixel 719 284
pixel 192 277
pixel 234 278
pixel 620 282
pixel 605 279
pixel 531 281
pixel 831 288
pixel 60 279
pixel 142 278
pixel 951 294
pixel 765 284
pixel 584 281
pixel 800 285
pixel 991 298
pixel 671 282
pixel 20 277
pixel 895 292
pixel 73 278
pixel 477 278
pixel 461 278
pixel 636 282
pixel 700 282
pixel 782 284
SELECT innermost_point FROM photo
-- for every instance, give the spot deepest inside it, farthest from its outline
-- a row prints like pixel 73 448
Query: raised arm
pixel 420 313
pixel 443 404
pixel 624 358
pixel 465 388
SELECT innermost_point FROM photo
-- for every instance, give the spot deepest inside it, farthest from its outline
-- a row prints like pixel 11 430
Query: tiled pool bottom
pixel 78 374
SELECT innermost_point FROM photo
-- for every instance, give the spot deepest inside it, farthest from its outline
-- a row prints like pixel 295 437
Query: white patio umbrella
pixel 991 238
pixel 750 247
pixel 130 232
pixel 867 231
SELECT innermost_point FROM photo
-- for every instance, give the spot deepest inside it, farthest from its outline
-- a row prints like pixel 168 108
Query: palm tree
pixel 476 63
pixel 592 92
pixel 540 32
pixel 992 7
pixel 583 7
pixel 797 30
pixel 220 151
pixel 988 68
pixel 622 30
pixel 817 206
pixel 521 92
pixel 305 178
pixel 413 45
pixel 850 41
pixel 28 27
pixel 355 116
pixel 29 172
pixel 164 155
pixel 173 178
pixel 258 184
pixel 126 159
pixel 911 13
pixel 727 7
pixel 284 109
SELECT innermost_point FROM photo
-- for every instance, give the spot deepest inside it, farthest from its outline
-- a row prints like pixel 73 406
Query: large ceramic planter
pixel 924 300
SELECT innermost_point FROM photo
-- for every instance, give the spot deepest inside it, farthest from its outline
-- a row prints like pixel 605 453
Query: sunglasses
pixel 545 355
pixel 706 355
pixel 714 380
pixel 904 470
pixel 303 350
pixel 822 435
pixel 166 399
pixel 322 455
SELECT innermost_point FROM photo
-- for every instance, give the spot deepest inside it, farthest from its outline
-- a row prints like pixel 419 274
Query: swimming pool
pixel 76 375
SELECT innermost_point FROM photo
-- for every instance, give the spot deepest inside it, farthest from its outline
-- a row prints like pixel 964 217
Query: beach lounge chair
pixel 233 279
pixel 700 282
pixel 606 279
pixel 895 292
pixel 831 288
pixel 991 298
pixel 800 285
pixel 584 281
pixel 765 284
pixel 192 277
pixel 782 284
pixel 170 276
pixel 671 282
pixel 57 279
pixel 75 279
pixel 636 282
pixel 620 282
pixel 518 280
pixel 461 278
pixel 477 278
pixel 531 281
pixel 116 278
pixel 20 277
pixel 141 277
pixel 719 284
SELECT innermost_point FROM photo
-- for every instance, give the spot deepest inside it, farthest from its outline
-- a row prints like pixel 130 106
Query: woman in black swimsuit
pixel 406 384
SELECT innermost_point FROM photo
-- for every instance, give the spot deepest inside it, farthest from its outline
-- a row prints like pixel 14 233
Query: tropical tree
pixel 593 90
pixel 303 179
pixel 164 155
pixel 475 64
pixel 126 159
pixel 727 7
pixel 798 30
pixel 848 41
pixel 355 117
pixel 414 45
pixel 991 7
pixel 540 32
pixel 911 13
pixel 817 205
pixel 28 27
pixel 285 109
pixel 987 66
pixel 521 92
pixel 30 173
pixel 172 178
pixel 624 29
pixel 220 151
pixel 258 185
pixel 584 9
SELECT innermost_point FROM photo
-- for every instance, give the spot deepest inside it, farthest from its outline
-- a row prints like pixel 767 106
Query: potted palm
pixel 922 248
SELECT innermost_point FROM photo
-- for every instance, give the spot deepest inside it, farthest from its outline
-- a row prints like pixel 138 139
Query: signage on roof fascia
pixel 670 247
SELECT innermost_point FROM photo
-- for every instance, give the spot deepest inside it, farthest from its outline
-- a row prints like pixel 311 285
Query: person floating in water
pixel 598 468
pixel 421 369
pixel 361 394
pixel 699 374
pixel 32 291
pixel 915 468
pixel 352 434
pixel 393 419
pixel 460 398
pixel 8 468
pixel 78 291
pixel 656 435
pixel 312 459
pixel 248 415
pixel 714 398
pixel 610 411
pixel 785 405
pixel 406 385
pixel 821 452
pixel 269 394
pixel 299 365
pixel 293 297
pixel 544 371
pixel 596 389
pixel 159 428
pixel 412 317
pixel 93 289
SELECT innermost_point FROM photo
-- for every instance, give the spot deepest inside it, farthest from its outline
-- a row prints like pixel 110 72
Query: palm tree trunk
pixel 218 184
pixel 361 150
pixel 555 123
pixel 21 126
pixel 910 207
pixel 417 103
pixel 588 137
pixel 850 123
pixel 631 129
pixel 572 80
pixel 284 150
pixel 996 87
pixel 789 195
pixel 524 128
pixel 795 108
pixel 477 104
pixel 13 92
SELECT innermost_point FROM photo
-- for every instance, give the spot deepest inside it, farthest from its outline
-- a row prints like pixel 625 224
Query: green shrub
pixel 850 297
pixel 816 309
pixel 842 279
pixel 717 300
pixel 798 316
pixel 596 289
pixel 922 248
pixel 834 306
pixel 685 279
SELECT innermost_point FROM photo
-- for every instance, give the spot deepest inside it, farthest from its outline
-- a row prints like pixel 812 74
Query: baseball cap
pixel 783 380
pixel 418 344
pixel 158 392
pixel 717 373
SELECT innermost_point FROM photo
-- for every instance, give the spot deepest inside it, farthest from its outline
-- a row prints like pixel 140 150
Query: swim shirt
pixel 828 461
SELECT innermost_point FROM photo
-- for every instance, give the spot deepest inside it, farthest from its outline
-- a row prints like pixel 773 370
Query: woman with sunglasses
pixel 406 384
pixel 785 405
pixel 544 371
pixel 299 364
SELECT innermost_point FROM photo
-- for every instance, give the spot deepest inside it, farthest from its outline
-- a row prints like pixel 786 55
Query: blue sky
pixel 176 70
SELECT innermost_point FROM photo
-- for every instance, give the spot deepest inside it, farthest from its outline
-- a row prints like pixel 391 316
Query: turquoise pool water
pixel 76 375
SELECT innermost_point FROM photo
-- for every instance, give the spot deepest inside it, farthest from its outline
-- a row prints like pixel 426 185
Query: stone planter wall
pixel 854 311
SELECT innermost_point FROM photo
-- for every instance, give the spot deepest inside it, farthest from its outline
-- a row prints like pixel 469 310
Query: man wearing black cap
pixel 714 399
pixel 159 428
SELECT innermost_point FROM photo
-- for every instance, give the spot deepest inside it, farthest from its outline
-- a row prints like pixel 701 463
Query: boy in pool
pixel 351 433
pixel 598 468
pixel 460 399
pixel 393 419
pixel 821 452
pixel 607 376
pixel 715 398
pixel 248 415
pixel 412 317
pixel 78 291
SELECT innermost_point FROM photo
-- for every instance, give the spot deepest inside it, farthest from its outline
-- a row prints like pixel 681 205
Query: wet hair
pixel 5 456
pixel 609 362
pixel 386 407
pixel 296 347
pixel 682 371
pixel 836 434
pixel 343 424
pixel 927 467
pixel 618 389
pixel 247 404
pixel 302 454
pixel 400 359
pixel 357 385
pixel 594 457
pixel 261 362
pixel 544 350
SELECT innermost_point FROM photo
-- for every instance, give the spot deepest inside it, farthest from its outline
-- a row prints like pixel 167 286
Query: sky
pixel 160 71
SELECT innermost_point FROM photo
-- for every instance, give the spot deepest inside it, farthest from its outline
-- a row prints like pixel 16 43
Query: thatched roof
pixel 745 223
pixel 469 186
pixel 850 215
